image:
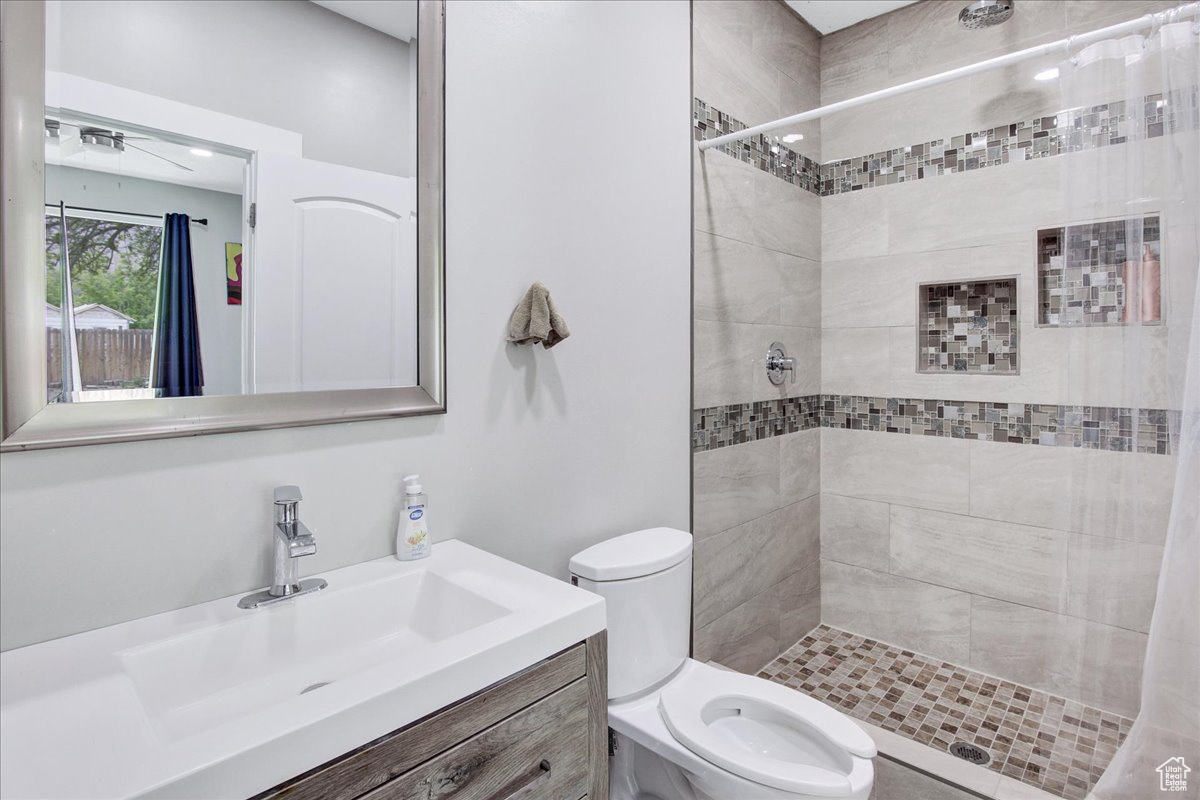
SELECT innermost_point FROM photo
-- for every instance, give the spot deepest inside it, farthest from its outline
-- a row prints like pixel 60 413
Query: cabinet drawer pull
pixel 527 790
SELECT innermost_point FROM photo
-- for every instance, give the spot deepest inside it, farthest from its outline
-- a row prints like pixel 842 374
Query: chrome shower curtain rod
pixel 1147 21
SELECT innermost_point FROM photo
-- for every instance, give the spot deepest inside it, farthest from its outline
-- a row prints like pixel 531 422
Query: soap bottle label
pixel 416 531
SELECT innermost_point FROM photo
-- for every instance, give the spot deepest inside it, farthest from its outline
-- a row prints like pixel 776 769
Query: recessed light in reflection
pixel 793 137
pixel 200 151
pixel 1047 74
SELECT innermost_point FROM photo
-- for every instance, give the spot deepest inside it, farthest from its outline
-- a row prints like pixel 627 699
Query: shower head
pixel 985 13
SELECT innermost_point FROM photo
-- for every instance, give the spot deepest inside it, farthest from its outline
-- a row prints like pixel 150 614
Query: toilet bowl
pixel 690 731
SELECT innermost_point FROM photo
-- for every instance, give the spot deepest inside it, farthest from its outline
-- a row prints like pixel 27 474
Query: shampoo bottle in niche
pixel 412 534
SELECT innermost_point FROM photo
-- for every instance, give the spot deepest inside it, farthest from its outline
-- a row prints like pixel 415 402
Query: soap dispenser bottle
pixel 412 534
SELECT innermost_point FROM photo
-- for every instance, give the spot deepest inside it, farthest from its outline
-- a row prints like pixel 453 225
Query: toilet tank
pixel 645 579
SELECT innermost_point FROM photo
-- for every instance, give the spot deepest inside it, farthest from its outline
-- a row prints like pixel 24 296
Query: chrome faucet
pixel 292 540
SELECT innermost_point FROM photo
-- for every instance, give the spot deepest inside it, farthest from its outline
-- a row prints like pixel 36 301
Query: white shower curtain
pixel 1133 343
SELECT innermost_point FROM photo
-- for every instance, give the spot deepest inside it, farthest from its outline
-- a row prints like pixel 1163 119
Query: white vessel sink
pixel 218 701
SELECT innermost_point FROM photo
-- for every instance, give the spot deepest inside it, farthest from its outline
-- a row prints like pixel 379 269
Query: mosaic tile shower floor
pixel 1057 745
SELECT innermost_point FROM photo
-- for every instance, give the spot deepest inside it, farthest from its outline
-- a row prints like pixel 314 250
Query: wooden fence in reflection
pixel 108 359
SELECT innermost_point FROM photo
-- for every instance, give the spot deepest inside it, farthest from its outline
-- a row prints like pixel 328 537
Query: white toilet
pixel 689 731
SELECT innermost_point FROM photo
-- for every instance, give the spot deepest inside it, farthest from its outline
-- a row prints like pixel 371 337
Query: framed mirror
pixel 219 215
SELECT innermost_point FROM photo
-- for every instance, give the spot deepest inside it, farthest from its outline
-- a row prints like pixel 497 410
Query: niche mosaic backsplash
pixel 968 326
pixel 1100 273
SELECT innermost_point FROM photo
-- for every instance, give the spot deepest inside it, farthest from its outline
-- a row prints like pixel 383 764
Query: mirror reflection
pixel 230 197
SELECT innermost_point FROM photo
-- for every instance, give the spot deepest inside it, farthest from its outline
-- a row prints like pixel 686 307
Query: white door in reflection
pixel 332 279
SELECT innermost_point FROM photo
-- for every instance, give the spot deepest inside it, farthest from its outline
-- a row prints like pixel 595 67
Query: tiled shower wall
pixel 1018 561
pixel 757 280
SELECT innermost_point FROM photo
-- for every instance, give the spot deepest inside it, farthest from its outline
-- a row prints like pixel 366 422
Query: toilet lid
pixel 704 695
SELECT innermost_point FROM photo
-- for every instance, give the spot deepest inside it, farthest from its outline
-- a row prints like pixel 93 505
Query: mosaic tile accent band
pixel 1090 427
pixel 1069 131
pixel 1055 744
pixel 722 426
pixel 1122 430
pixel 1085 272
pixel 764 153
pixel 969 326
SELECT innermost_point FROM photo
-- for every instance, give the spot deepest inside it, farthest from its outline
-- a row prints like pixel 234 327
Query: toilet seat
pixel 764 732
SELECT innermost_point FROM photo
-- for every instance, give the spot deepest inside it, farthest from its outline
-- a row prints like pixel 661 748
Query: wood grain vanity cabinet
pixel 541 734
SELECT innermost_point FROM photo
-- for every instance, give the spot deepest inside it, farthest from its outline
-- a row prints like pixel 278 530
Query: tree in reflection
pixel 112 263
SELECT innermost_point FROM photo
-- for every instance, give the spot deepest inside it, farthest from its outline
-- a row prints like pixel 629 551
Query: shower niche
pixel 1100 273
pixel 968 327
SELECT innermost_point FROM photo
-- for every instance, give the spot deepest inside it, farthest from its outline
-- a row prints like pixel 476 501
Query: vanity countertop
pixel 216 701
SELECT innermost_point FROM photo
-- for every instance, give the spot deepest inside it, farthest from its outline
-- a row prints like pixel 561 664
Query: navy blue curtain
pixel 175 369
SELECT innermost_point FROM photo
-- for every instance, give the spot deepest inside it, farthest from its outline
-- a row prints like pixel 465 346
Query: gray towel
pixel 535 319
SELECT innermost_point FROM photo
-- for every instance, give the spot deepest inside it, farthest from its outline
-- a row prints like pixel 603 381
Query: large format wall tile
pixel 926 38
pixel 931 619
pixel 724 196
pixel 735 281
pixel 782 38
pixel 1118 495
pixel 732 485
pixel 786 217
pixel 1113 581
pixel 1019 563
pixel 921 471
pixel 761 60
pixel 758 630
pixel 799 603
pixel 743 638
pixel 729 362
pixel 799 464
pixel 733 566
pixel 882 291
pixel 728 74
pixel 740 282
pixel 940 112
pixel 1081 660
pixel 799 290
pixel 856 361
pixel 1027 645
pixel 855 531
pixel 932 214
pixel 855 224
pixel 1110 671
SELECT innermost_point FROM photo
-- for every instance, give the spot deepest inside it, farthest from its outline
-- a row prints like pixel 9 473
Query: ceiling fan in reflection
pixel 102 140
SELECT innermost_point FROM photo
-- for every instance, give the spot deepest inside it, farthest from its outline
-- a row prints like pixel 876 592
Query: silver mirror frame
pixel 29 423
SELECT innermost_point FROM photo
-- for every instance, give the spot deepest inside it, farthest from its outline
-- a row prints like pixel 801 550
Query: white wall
pixel 220 323
pixel 287 63
pixel 541 452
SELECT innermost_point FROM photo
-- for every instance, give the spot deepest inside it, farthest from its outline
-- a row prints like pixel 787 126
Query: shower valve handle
pixel 778 362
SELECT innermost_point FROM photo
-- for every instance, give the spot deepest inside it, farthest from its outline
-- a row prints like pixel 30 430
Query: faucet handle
pixel 285 495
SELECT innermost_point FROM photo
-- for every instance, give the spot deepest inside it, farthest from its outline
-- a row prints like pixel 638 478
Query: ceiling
pixel 397 18
pixel 218 172
pixel 828 16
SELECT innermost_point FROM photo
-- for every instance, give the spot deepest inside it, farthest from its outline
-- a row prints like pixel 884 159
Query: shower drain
pixel 969 752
